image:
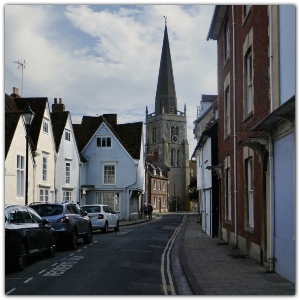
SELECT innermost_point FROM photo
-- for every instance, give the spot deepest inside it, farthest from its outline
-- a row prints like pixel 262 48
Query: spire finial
pixel 165 19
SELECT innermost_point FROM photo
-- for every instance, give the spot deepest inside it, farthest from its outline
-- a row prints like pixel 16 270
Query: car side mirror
pixel 113 212
pixel 45 222
pixel 85 213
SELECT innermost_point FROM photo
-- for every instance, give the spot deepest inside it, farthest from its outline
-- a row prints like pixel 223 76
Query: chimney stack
pixel 58 107
pixel 15 93
pixel 110 118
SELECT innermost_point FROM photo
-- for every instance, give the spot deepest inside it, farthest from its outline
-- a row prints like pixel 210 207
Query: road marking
pixel 27 280
pixel 42 271
pixel 169 247
pixel 10 291
pixel 64 266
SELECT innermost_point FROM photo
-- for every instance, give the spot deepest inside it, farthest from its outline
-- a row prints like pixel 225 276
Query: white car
pixel 102 217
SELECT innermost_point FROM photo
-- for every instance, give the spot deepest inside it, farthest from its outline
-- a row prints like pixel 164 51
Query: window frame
pixel 104 142
pixel 44 195
pixel 68 173
pixel 20 176
pixel 67 196
pixel 45 125
pixel 226 41
pixel 67 135
pixel 228 194
pixel 45 168
pixel 227 111
pixel 106 179
pixel 250 193
pixel 249 83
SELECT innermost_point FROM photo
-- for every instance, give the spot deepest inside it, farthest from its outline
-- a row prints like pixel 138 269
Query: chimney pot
pixel 55 100
pixel 60 100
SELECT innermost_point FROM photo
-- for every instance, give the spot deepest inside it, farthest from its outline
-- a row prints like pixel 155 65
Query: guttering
pixel 234 129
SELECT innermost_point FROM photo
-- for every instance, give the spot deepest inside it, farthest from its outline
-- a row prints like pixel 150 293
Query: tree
pixel 193 191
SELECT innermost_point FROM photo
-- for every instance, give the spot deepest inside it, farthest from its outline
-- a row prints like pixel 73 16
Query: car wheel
pixel 52 247
pixel 21 258
pixel 73 239
pixel 89 237
pixel 105 228
pixel 117 228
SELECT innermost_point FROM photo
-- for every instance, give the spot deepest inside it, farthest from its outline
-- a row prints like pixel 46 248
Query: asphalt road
pixel 135 261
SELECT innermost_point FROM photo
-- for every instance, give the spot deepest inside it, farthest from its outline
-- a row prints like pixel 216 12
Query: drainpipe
pixel 271 154
pixel 234 129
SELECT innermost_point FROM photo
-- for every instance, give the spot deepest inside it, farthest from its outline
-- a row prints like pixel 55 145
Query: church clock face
pixel 174 138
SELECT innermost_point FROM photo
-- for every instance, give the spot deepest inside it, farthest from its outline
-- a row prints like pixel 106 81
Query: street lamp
pixel 28 116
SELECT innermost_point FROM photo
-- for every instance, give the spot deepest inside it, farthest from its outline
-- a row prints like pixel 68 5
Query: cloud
pixel 105 58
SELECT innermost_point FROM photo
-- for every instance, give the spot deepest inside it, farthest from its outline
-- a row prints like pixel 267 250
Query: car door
pixel 78 218
pixel 24 222
pixel 43 230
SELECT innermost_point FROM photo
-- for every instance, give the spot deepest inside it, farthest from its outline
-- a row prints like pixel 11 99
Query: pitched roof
pixel 38 106
pixel 84 131
pixel 10 104
pixel 11 122
pixel 129 135
pixel 58 120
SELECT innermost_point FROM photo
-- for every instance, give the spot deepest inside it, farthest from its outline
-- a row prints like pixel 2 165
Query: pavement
pixel 213 267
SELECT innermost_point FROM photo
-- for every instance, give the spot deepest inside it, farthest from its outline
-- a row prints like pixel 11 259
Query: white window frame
pixel 44 195
pixel 104 142
pixel 67 196
pixel 68 173
pixel 227 111
pixel 164 202
pixel 67 135
pixel 154 185
pixel 45 167
pixel 154 202
pixel 109 198
pixel 45 125
pixel 249 83
pixel 20 176
pixel 249 174
pixel 109 179
pixel 228 194
pixel 227 41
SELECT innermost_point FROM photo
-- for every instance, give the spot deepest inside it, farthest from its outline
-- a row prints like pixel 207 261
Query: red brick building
pixel 242 36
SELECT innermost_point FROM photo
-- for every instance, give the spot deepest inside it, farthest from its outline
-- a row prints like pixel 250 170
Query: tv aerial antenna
pixel 21 64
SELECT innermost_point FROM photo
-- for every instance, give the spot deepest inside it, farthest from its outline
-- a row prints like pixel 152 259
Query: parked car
pixel 68 220
pixel 26 234
pixel 102 217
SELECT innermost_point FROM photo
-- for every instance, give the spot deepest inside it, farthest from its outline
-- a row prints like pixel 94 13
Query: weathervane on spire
pixel 165 19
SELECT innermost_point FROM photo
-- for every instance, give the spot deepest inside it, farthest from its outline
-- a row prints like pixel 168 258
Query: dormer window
pixel 154 172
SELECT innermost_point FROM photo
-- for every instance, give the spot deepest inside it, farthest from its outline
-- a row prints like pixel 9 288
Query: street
pixel 134 261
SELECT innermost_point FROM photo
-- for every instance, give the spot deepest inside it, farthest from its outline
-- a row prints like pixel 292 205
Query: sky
pixel 103 59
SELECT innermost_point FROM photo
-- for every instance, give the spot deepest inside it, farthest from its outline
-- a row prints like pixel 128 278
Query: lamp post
pixel 28 116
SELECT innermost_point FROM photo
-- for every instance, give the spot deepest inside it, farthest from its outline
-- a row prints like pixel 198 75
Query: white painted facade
pixel 18 148
pixel 124 193
pixel 67 167
pixel 44 172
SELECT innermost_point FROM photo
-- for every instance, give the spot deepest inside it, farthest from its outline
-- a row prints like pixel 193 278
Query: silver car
pixel 102 217
pixel 68 220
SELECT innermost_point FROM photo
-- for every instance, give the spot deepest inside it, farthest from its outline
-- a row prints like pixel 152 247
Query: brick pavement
pixel 213 267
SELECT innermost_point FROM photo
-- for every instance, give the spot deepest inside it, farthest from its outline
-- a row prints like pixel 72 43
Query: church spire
pixel 165 100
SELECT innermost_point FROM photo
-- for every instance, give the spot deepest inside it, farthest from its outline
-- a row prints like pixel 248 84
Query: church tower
pixel 166 132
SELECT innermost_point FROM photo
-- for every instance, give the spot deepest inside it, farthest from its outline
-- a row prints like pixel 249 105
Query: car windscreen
pixel 45 210
pixel 91 209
